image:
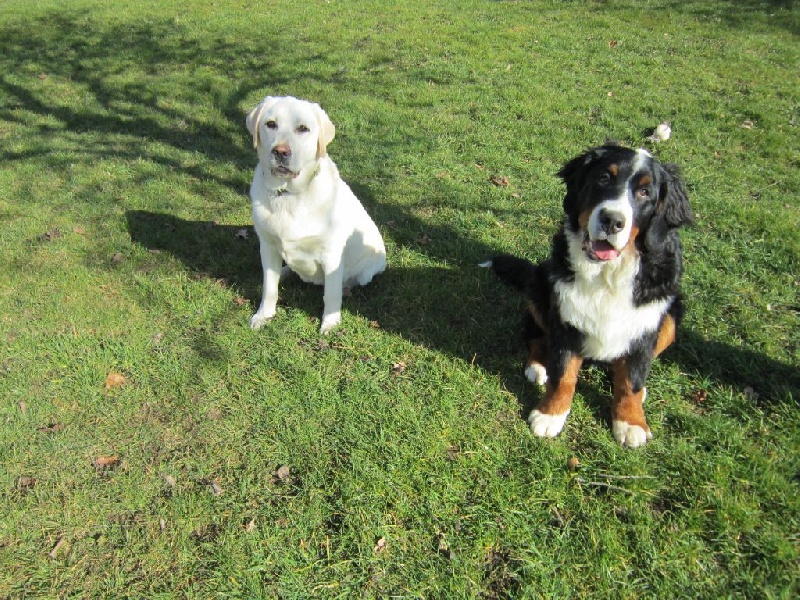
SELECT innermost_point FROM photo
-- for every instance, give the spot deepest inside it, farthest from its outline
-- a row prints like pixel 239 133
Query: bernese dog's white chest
pixel 599 303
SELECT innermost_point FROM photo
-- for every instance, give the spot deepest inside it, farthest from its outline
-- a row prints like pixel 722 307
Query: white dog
pixel 304 214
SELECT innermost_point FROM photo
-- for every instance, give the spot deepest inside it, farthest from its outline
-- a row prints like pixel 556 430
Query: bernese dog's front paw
pixel 536 373
pixel 629 435
pixel 544 425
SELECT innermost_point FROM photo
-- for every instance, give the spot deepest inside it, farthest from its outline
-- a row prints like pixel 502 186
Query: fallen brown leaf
pixel 117 258
pixel 281 474
pixel 104 463
pixel 52 428
pixel 499 180
pixel 612 43
pixel 251 526
pixel 443 547
pixel 56 548
pixel 50 234
pixel 239 301
pixel 79 230
pixel 114 380
pixel 398 368
pixel 23 407
pixel 216 489
pixel 452 453
pixel 380 546
pixel 423 240
pixel 26 483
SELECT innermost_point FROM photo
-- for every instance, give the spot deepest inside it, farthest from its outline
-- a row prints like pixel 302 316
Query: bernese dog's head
pixel 619 198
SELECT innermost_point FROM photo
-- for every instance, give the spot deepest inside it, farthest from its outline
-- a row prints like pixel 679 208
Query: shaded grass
pixel 124 175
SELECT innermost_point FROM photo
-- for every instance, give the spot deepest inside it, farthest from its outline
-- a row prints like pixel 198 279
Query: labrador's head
pixel 289 134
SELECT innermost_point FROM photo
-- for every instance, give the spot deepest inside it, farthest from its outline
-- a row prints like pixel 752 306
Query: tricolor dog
pixel 305 215
pixel 610 290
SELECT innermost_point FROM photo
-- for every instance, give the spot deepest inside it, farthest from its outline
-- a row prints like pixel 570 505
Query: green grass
pixel 124 170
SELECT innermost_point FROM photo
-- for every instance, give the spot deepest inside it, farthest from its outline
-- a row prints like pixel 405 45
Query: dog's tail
pixel 513 271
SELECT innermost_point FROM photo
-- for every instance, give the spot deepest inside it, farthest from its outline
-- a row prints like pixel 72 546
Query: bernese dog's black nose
pixel 612 221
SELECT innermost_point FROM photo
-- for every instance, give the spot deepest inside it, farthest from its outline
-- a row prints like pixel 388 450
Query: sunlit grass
pixel 408 467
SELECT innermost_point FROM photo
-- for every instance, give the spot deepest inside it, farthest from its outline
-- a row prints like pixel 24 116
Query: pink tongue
pixel 604 251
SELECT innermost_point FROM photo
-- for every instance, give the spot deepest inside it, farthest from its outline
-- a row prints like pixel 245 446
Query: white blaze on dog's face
pixel 609 199
pixel 612 220
pixel 289 134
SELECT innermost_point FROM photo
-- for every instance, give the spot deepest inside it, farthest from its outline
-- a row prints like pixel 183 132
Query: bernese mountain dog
pixel 610 290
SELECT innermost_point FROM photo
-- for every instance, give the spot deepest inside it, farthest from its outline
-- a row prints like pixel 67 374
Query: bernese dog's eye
pixel 303 129
pixel 604 179
pixel 642 193
pixel 271 124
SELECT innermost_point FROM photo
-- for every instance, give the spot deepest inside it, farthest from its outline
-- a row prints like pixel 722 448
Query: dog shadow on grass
pixel 459 309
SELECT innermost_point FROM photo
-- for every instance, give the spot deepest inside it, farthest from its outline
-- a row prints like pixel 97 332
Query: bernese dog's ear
pixel 574 175
pixel 673 202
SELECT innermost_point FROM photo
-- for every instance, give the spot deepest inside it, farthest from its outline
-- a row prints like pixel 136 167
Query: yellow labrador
pixel 304 214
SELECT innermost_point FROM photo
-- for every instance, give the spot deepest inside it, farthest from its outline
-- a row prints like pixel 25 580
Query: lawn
pixel 153 446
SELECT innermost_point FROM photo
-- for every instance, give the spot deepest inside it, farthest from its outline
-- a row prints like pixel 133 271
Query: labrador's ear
pixel 327 131
pixel 254 118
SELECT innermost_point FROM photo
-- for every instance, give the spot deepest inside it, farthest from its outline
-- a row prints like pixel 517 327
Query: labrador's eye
pixel 272 124
pixel 303 129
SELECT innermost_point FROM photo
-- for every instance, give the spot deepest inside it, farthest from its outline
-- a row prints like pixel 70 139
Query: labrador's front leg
pixel 271 264
pixel 332 298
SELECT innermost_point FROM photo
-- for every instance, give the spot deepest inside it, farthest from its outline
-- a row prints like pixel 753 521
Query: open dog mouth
pixel 281 171
pixel 599 249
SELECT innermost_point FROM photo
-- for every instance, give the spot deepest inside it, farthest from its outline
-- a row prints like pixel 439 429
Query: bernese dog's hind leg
pixel 535 338
pixel 535 369
pixel 627 412
pixel 548 419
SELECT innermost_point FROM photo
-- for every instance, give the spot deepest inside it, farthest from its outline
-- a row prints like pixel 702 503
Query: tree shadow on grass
pixel 736 14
